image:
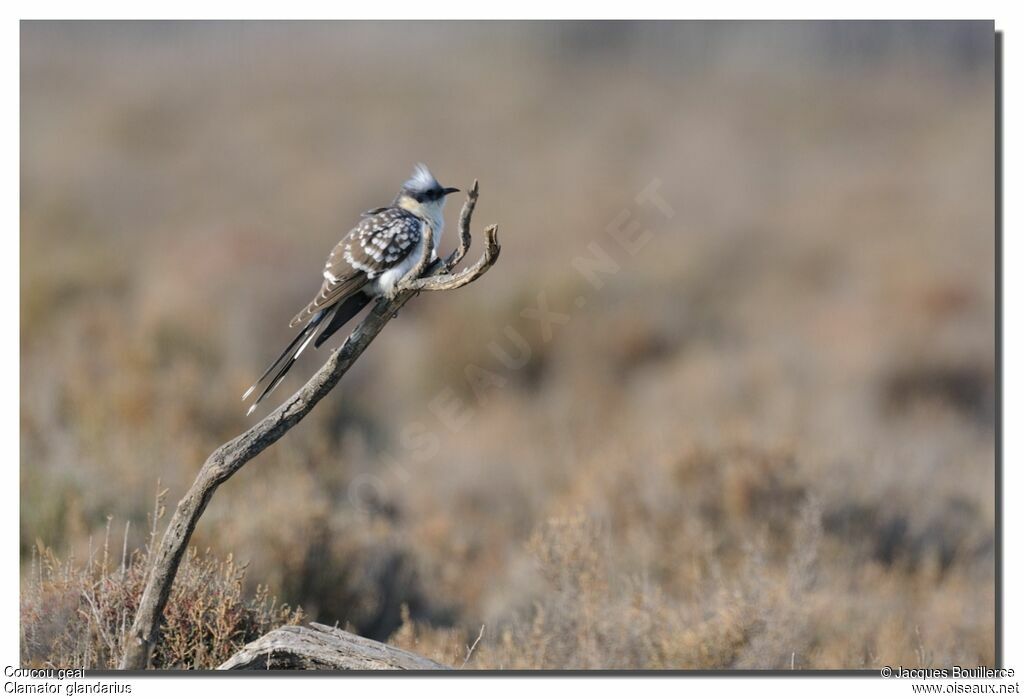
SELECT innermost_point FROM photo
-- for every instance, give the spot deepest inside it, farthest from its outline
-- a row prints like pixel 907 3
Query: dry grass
pixel 767 441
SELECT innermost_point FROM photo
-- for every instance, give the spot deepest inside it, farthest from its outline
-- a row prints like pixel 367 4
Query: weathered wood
pixel 319 647
pixel 227 459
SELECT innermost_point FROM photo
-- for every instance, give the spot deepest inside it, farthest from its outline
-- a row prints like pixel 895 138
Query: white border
pixel 1007 20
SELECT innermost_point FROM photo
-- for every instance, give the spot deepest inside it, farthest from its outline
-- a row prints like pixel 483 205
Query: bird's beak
pixel 450 190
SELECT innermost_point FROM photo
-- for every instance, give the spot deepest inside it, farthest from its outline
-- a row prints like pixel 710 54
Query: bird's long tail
pixel 346 311
pixel 283 363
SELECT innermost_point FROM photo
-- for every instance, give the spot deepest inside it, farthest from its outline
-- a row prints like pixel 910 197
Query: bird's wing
pixel 376 245
pixel 330 293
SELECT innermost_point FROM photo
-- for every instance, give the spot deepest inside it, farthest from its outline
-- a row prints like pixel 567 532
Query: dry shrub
pixel 79 614
pixel 588 617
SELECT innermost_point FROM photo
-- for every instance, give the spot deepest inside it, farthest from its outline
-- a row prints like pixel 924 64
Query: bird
pixel 368 263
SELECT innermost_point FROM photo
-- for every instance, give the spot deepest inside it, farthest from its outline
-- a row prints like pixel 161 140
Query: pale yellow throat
pixel 431 212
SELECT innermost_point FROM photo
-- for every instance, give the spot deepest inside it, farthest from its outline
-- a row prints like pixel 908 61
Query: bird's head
pixel 422 194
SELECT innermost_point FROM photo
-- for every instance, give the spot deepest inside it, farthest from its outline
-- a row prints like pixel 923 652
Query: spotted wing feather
pixel 380 241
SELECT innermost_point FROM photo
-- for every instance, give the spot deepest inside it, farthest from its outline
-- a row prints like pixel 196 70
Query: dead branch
pixel 319 647
pixel 447 282
pixel 227 459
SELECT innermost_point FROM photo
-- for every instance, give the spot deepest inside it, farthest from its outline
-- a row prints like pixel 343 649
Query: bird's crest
pixel 421 180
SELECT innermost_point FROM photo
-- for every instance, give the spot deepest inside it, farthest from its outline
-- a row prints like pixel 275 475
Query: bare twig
pixel 100 625
pixel 469 651
pixel 124 549
pixel 447 282
pixel 464 236
pixel 227 459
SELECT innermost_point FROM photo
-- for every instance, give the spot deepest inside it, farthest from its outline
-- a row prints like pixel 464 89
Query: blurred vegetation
pixel 766 441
